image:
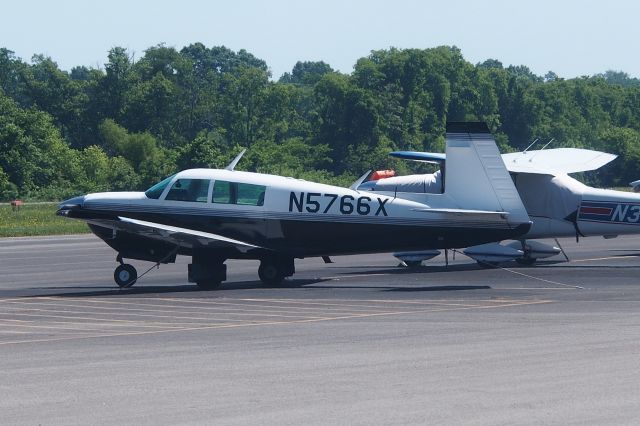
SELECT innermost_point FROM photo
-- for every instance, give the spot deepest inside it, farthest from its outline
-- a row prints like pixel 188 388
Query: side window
pixel 251 195
pixel 223 192
pixel 244 194
pixel 194 190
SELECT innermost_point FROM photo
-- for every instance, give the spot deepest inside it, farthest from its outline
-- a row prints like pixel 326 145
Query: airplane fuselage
pixel 296 217
pixel 561 206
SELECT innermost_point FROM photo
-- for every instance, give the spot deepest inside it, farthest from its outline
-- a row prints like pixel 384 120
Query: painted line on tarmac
pixel 227 307
pixel 94 321
pixel 315 302
pixel 129 311
pixel 204 320
pixel 632 256
pixel 219 308
pixel 322 306
pixel 213 327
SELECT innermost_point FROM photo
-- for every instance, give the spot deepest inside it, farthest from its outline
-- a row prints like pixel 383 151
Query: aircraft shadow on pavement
pixel 318 283
pixel 424 269
pixel 92 291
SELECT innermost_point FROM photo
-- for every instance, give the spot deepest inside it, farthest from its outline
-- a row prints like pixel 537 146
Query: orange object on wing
pixel 381 174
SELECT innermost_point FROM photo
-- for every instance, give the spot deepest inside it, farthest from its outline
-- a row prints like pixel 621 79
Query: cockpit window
pixel 238 193
pixel 156 190
pixel 194 190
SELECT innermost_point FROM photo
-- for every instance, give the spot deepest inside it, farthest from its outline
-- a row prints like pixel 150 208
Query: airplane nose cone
pixel 70 204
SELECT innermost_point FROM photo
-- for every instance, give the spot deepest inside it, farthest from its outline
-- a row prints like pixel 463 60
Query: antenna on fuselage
pixel 232 164
pixel 515 159
pixel 545 145
pixel 532 144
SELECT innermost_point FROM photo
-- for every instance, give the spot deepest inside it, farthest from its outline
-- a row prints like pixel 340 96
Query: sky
pixel 571 38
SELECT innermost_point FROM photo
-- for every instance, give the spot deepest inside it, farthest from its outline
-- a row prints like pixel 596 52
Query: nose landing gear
pixel 125 275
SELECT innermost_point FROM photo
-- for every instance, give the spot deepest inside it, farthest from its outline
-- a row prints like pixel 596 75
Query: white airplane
pixel 215 215
pixel 558 205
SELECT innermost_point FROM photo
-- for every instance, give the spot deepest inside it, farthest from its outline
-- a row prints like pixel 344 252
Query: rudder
pixel 475 175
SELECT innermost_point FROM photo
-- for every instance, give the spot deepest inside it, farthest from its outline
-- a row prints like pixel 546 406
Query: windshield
pixel 156 190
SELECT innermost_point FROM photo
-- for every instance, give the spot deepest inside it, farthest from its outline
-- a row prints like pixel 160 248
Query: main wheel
pixel 208 284
pixel 125 275
pixel 269 273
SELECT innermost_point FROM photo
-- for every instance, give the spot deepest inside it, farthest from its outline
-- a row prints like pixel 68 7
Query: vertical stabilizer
pixel 476 177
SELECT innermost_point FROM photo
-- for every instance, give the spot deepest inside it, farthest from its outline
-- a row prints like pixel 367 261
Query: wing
pixel 180 236
pixel 548 162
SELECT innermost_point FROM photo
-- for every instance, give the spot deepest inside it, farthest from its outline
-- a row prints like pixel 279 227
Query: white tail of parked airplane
pixel 477 176
pixel 558 205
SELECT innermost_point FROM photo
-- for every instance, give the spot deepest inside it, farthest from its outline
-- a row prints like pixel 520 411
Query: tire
pixel 125 275
pixel 209 284
pixel 270 274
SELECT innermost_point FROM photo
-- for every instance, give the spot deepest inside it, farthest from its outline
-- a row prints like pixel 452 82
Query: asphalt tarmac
pixel 358 341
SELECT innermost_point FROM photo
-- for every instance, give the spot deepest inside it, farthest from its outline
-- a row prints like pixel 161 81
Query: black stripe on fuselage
pixel 312 238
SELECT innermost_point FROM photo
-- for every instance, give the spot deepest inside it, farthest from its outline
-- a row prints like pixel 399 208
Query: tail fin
pixel 475 175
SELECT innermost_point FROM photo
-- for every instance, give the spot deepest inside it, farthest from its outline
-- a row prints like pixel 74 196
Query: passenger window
pixel 245 194
pixel 222 192
pixel 193 190
pixel 251 195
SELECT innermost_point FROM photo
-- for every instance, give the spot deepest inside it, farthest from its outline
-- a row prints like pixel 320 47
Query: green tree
pixel 141 150
pixel 32 153
pixel 306 73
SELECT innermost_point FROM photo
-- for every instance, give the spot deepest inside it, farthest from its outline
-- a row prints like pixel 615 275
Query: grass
pixel 35 219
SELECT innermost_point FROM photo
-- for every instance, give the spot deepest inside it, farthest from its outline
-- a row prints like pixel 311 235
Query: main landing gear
pixel 209 271
pixel 273 270
pixel 125 275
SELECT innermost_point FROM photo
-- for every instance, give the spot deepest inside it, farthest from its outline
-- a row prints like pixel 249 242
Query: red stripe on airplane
pixel 596 210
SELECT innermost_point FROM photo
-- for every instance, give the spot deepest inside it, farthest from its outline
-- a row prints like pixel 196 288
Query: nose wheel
pixel 125 275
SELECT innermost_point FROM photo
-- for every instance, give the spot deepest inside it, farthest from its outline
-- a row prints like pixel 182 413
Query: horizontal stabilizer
pixel 425 157
pixel 556 161
pixel 547 162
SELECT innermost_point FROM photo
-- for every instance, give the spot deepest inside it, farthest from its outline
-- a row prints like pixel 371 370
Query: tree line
pixel 136 121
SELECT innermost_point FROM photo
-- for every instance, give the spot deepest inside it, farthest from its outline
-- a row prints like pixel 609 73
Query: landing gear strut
pixel 526 259
pixel 273 270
